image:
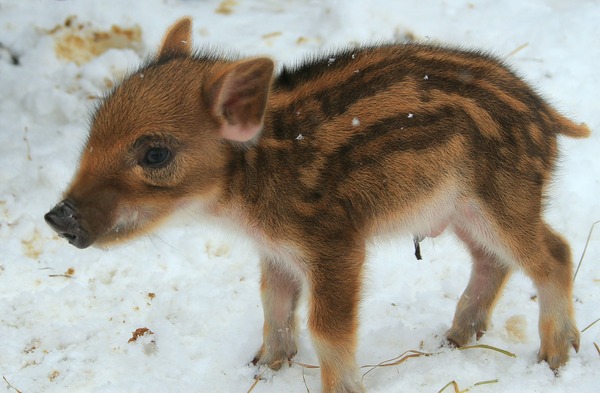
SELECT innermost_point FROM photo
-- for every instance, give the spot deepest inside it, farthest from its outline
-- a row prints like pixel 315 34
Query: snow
pixel 66 315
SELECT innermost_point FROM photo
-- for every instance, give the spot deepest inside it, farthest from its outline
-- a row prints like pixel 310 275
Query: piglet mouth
pixel 65 220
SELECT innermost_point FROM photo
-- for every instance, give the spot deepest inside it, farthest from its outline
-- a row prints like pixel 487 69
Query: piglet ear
pixel 238 97
pixel 178 39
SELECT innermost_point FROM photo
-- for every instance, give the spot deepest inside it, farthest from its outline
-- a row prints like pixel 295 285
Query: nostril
pixel 62 213
pixel 53 219
pixel 69 236
pixel 66 209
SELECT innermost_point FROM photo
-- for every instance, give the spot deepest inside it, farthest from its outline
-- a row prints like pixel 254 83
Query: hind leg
pixel 474 308
pixel 551 271
pixel 545 257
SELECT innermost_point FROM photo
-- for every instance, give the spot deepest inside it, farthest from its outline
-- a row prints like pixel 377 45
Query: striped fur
pixel 311 163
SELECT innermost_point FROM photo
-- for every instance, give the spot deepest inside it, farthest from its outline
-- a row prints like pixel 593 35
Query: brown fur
pixel 318 159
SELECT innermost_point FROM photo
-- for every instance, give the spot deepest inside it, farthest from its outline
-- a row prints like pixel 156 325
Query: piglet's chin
pixel 130 224
pixel 116 235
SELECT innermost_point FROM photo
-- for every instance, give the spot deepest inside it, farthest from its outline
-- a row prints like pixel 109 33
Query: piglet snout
pixel 63 218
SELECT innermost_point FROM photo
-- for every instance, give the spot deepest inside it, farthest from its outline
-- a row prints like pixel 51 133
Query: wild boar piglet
pixel 313 160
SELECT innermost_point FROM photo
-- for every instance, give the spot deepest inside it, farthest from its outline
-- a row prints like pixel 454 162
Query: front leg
pixel 280 290
pixel 333 315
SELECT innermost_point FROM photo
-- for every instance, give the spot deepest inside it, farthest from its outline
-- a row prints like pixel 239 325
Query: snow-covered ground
pixel 67 315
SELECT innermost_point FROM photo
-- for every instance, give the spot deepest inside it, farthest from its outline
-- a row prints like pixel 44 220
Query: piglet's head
pixel 161 138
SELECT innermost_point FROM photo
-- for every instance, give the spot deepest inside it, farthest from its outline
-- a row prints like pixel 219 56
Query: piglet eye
pixel 156 157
